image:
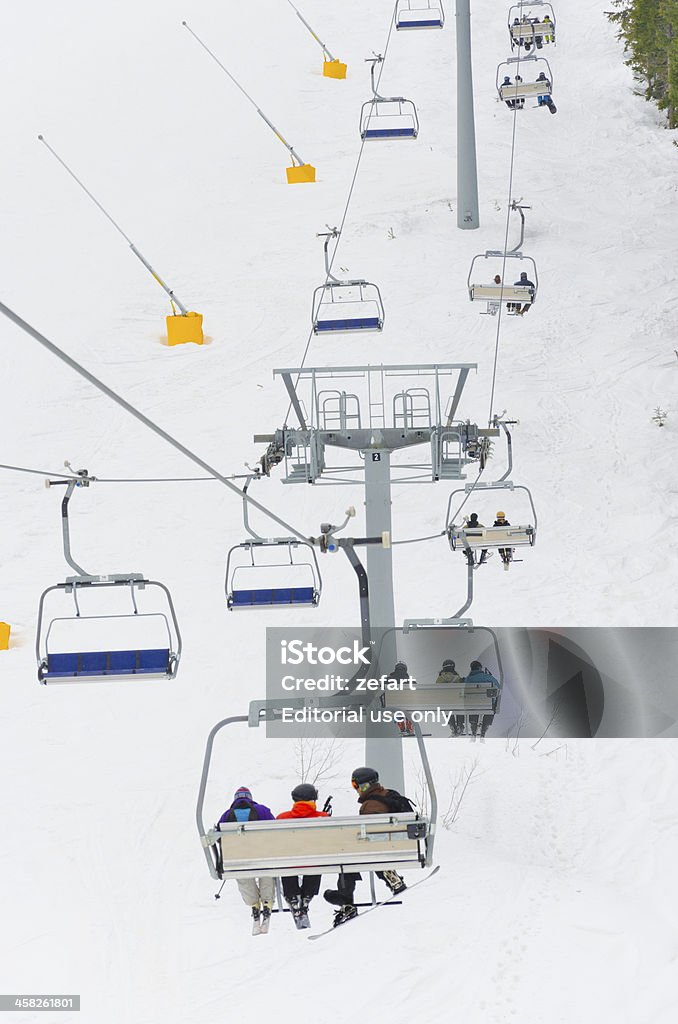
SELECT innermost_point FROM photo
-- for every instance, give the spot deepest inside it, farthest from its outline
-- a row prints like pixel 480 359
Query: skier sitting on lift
pixel 449 674
pixel 506 554
pixel 400 673
pixel 257 893
pixel 473 524
pixel 373 799
pixel 545 100
pixel 517 102
pixel 479 676
pixel 515 306
pixel 300 893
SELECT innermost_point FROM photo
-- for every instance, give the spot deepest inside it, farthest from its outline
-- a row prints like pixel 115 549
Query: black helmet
pixel 305 791
pixel 364 776
pixel 448 661
pixel 400 667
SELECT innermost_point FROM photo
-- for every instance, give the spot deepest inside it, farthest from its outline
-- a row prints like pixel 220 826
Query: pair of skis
pixel 261 924
pixel 376 906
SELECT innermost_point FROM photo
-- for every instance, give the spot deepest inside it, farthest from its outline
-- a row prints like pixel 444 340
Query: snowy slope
pixel 558 873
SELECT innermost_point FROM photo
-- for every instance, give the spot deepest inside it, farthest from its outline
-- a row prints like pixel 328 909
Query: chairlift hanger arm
pixel 124 404
pixel 328 235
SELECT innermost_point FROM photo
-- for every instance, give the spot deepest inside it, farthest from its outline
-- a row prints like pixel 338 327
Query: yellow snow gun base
pixel 300 173
pixel 182 329
pixel 334 69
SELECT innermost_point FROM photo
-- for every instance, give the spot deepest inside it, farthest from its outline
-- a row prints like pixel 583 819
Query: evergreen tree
pixel 649 29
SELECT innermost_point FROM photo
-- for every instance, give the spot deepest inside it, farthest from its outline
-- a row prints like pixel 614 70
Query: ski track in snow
pixel 558 880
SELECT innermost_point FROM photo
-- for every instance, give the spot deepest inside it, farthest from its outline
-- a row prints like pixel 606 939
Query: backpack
pixel 395 801
pixel 233 816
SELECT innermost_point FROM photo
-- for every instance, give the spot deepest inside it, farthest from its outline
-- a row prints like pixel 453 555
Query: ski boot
pixel 394 881
pixel 256 920
pixel 344 913
pixel 301 918
pixel 265 919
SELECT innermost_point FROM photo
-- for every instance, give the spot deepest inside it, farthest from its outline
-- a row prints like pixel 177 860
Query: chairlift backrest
pixel 373 842
pixel 458 697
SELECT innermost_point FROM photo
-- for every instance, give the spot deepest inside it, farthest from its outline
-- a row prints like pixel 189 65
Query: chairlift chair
pixel 116 658
pixel 481 288
pixel 411 14
pixel 469 540
pixel 312 846
pixel 463 644
pixel 387 117
pixel 252 563
pixel 98 646
pixel 515 93
pixel 340 307
pixel 531 32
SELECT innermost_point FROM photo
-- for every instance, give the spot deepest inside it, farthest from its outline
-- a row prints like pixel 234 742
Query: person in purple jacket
pixel 257 893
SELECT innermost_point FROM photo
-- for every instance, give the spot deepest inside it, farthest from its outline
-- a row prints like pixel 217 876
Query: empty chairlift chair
pixel 344 306
pixel 483 285
pixel 531 25
pixel 412 14
pixel 275 573
pixel 107 642
pixel 387 117
pixel 115 628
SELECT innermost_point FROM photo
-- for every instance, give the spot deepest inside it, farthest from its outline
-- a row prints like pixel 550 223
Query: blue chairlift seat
pixel 274 596
pixel 423 23
pixel 362 323
pixel 108 663
pixel 389 133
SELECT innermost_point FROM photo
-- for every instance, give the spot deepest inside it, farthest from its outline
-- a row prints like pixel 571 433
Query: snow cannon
pixel 183 328
pixel 299 173
pixel 334 69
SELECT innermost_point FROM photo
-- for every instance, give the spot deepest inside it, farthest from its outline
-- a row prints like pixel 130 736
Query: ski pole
pixel 217 895
pixel 170 292
pixel 302 19
pixel 294 155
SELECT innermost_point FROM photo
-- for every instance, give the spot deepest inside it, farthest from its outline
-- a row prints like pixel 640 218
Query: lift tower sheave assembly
pixel 393 424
